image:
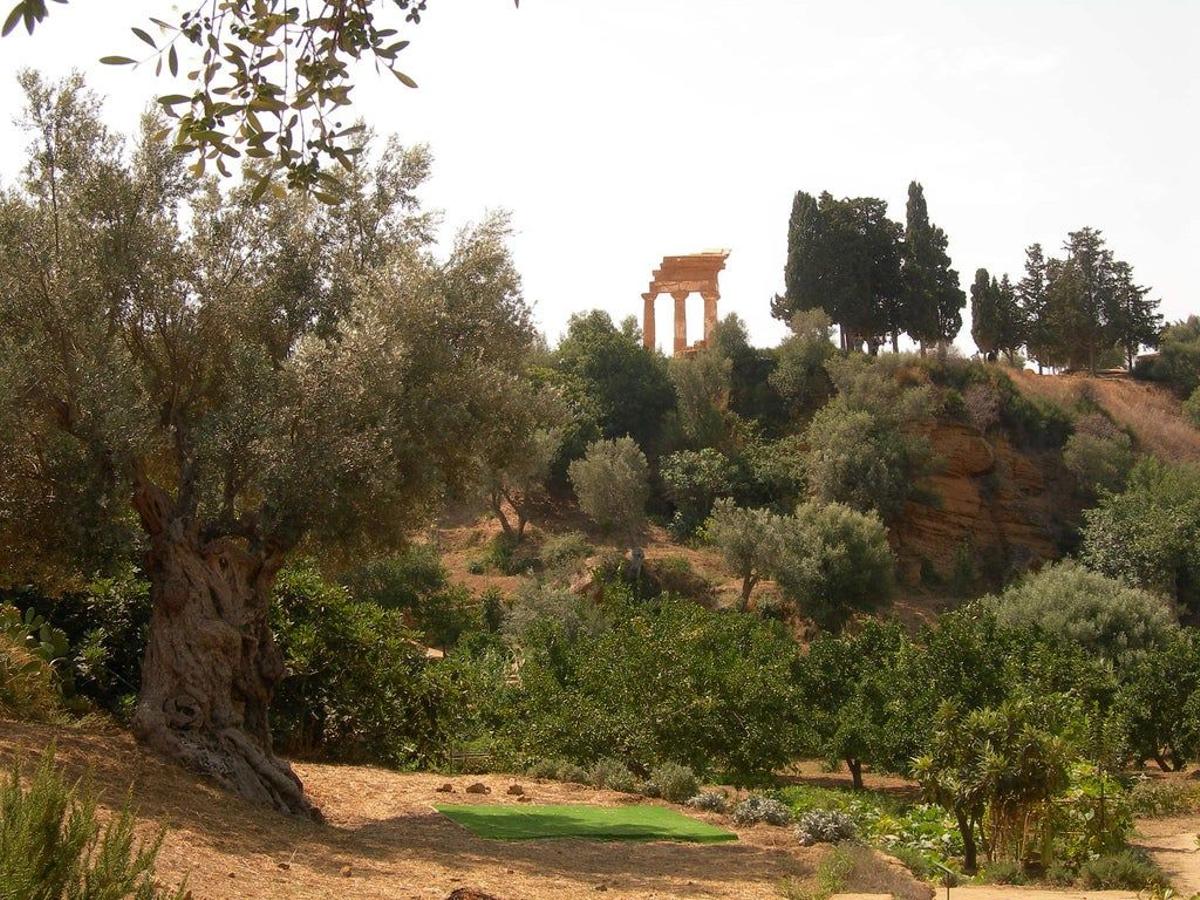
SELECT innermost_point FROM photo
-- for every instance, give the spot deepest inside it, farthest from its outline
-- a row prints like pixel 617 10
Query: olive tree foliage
pixel 612 484
pixel 702 390
pixel 800 376
pixel 863 451
pixel 264 81
pixel 1149 534
pixel 749 540
pixel 1104 615
pixel 834 562
pixel 219 383
pixel 519 454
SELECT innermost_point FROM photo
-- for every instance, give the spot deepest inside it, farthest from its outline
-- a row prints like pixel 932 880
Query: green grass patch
pixel 509 822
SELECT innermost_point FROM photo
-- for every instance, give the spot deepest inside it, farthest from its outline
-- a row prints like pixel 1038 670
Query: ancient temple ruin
pixel 681 276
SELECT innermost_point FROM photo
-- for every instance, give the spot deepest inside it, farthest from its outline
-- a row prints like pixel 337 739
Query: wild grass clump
pixel 51 845
pixel 1127 870
pixel 28 689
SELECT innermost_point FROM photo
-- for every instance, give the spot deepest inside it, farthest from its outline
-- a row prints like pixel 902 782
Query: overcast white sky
pixel 620 131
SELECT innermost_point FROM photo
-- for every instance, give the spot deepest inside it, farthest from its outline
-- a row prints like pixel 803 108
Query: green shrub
pixel 51 845
pixel 572 773
pixel 614 775
pixel 1099 455
pixel 757 808
pixel 693 480
pixel 359 687
pixel 1127 870
pixel 675 782
pixel 835 561
pixel 1101 614
pixel 561 554
pixel 825 826
pixel 1191 408
pixel 650 682
pixel 611 482
pixel 1004 871
pixel 1153 798
pixel 863 460
pixel 401 581
pixel 106 624
pixel 710 801
pixel 676 576
pixel 544 768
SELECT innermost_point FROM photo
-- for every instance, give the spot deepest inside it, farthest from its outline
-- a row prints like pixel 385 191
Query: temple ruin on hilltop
pixel 680 276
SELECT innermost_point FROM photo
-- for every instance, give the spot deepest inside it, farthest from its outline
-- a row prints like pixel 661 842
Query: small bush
pixel 649 789
pixel 1152 798
pixel 27 684
pixel 614 775
pixel 544 768
pixel 562 553
pixel 572 774
pixel 676 576
pixel 675 782
pixel 51 845
pixel 1127 870
pixel 1004 871
pixel 757 808
pixel 710 801
pixel 825 826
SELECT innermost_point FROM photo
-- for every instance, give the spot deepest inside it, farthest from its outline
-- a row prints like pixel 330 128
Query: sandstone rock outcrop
pixel 998 501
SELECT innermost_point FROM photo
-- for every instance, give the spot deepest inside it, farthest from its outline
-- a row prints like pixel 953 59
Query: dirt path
pixel 383 839
pixel 1172 844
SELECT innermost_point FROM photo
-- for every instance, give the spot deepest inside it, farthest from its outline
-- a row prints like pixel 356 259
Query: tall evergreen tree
pixel 1011 318
pixel 1031 297
pixel 931 299
pixel 843 256
pixel 1131 319
pixel 1093 263
pixel 985 316
pixel 802 271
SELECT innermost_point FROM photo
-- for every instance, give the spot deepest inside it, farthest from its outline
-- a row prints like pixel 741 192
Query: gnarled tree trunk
pixel 211 661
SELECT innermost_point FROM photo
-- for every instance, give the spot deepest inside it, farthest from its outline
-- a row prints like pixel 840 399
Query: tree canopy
pixel 219 383
pixel 269 83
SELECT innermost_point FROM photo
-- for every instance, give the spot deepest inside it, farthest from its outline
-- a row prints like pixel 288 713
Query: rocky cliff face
pixel 1005 507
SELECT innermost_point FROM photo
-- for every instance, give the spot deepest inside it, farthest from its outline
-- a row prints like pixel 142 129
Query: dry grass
pixel 384 840
pixel 1150 411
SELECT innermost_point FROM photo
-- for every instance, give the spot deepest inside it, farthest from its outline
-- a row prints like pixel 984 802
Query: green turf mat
pixel 510 822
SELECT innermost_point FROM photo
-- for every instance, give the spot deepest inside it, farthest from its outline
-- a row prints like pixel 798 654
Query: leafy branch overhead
pixel 268 81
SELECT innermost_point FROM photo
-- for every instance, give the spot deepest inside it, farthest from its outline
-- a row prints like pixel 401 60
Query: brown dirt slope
pixel 383 838
pixel 1150 411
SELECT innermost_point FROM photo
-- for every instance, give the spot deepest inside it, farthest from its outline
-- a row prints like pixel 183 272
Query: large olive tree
pixel 216 384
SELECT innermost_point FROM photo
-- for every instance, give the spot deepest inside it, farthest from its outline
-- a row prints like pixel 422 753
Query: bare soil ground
pixel 384 840
pixel 1172 844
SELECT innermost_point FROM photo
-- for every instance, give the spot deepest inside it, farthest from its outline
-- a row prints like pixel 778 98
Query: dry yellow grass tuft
pixel 1150 411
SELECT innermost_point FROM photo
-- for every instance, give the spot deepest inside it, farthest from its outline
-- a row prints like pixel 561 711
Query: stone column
pixel 648 322
pixel 680 321
pixel 710 315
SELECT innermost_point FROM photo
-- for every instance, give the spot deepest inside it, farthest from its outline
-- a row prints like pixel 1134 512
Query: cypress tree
pixel 931 300
pixel 1131 319
pixel 985 316
pixel 1031 297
